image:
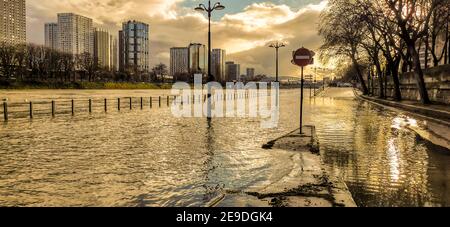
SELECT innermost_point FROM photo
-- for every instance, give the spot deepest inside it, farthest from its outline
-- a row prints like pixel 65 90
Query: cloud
pixel 244 34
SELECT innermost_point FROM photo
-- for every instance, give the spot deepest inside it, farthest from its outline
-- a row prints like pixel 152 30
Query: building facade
pixel 105 49
pixel 233 71
pixel 134 47
pixel 197 58
pixel 75 34
pixel 179 62
pixel 51 35
pixel 218 59
pixel 250 74
pixel 13 22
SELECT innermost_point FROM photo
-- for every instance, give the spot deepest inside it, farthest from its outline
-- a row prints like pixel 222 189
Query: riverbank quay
pixel 309 184
pixel 434 112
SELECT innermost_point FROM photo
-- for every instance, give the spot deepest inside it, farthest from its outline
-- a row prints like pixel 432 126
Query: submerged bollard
pixel 5 110
pixel 131 103
pixel 53 108
pixel 31 110
pixel 73 108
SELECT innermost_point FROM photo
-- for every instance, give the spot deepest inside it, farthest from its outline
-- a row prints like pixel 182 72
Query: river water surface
pixel 150 158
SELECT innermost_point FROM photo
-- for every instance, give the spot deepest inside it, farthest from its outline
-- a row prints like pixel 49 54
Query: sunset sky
pixel 244 28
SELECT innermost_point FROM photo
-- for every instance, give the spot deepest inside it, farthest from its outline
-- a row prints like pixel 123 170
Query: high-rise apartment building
pixel 179 62
pixel 197 58
pixel 51 35
pixel 218 59
pixel 250 73
pixel 105 49
pixel 75 34
pixel 134 47
pixel 12 21
pixel 233 71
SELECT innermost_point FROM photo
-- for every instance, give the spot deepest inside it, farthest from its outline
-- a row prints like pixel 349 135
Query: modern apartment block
pixel 197 58
pixel 75 34
pixel 51 35
pixel 233 71
pixel 179 62
pixel 218 59
pixel 105 49
pixel 250 73
pixel 12 21
pixel 134 47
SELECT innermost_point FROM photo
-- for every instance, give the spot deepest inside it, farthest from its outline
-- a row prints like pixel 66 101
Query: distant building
pixel 114 54
pixel 134 47
pixel 440 45
pixel 75 34
pixel 197 58
pixel 13 21
pixel 51 35
pixel 218 59
pixel 250 73
pixel 233 71
pixel 105 49
pixel 179 62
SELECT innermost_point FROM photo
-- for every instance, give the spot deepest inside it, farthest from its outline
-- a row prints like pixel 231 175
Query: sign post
pixel 302 57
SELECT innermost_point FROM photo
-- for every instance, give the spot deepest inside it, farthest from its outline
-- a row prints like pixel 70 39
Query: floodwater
pixel 150 158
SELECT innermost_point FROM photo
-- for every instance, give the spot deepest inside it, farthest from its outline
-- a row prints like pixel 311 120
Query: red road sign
pixel 303 57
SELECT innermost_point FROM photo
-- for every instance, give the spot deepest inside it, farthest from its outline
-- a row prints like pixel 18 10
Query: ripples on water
pixel 149 158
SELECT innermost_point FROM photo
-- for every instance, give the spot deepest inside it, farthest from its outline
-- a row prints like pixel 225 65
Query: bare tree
pixel 88 64
pixel 7 59
pixel 342 33
pixel 413 20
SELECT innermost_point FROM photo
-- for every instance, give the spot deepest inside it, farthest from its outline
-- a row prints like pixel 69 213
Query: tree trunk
pixel 427 50
pixel 418 73
pixel 360 77
pixel 380 82
pixel 394 73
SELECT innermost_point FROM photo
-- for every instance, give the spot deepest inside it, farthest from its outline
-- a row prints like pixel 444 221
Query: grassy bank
pixel 81 85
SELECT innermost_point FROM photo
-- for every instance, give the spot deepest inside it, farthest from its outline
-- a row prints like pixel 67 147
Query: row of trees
pixel 388 36
pixel 39 63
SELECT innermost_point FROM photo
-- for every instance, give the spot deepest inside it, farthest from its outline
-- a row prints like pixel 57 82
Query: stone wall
pixel 437 80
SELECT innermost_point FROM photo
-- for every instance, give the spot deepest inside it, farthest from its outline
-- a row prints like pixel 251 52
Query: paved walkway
pixel 308 185
pixel 435 112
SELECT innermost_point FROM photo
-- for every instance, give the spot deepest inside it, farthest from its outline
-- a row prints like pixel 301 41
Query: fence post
pixel 142 103
pixel 106 105
pixel 31 110
pixel 73 107
pixel 159 101
pixel 5 110
pixel 131 105
pixel 118 104
pixel 151 102
pixel 90 105
pixel 53 108
pixel 168 100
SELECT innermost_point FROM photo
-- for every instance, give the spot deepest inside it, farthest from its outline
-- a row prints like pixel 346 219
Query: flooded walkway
pixel 150 158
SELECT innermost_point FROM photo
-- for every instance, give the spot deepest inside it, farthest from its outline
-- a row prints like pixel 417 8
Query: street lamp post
pixel 277 45
pixel 209 10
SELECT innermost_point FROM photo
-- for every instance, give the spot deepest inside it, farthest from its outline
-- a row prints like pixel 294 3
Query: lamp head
pixel 200 8
pixel 219 6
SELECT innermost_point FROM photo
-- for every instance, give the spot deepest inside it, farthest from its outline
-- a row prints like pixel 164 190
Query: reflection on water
pixel 149 158
pixel 383 161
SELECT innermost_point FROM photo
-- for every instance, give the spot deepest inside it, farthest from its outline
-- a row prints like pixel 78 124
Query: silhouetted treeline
pixel 38 63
